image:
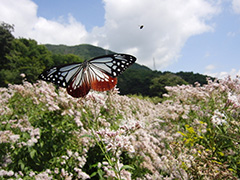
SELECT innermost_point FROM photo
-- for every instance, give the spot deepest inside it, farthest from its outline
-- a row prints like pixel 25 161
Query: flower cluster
pixel 193 133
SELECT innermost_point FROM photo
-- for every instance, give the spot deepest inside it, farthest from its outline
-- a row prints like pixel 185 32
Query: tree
pixel 191 77
pixel 59 59
pixel 135 81
pixel 6 39
pixel 157 88
pixel 27 57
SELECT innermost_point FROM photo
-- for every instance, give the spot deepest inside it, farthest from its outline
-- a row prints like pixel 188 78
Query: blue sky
pixel 202 36
pixel 90 13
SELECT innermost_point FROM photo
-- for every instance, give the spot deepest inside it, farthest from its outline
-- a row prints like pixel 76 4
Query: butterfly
pixel 99 73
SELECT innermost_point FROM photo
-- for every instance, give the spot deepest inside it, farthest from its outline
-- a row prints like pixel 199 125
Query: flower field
pixel 194 133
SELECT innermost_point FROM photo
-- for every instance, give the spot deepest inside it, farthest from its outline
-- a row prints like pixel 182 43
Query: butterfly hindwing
pixel 100 81
pixel 90 78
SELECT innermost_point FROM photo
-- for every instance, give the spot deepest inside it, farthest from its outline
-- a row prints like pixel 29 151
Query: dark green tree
pixel 6 39
pixel 59 59
pixel 135 81
pixel 27 57
pixel 191 77
pixel 157 88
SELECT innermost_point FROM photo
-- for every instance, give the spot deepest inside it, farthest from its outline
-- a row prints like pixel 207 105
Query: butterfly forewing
pixel 61 75
pixel 80 84
pixel 114 64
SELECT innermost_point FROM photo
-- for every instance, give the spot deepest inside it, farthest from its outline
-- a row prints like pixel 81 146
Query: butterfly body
pixel 99 74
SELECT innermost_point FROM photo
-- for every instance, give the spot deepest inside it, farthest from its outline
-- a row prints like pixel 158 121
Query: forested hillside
pixel 27 57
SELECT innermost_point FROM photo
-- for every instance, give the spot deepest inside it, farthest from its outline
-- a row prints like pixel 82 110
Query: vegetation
pixel 192 134
pixel 6 39
pixel 84 51
pixel 46 134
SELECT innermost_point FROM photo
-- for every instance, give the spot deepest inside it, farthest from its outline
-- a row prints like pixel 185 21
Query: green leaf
pixel 87 135
pixel 33 153
pixel 127 167
pixel 93 174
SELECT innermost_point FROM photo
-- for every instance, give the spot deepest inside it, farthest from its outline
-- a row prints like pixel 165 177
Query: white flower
pixel 14 137
pixel 233 99
pixel 218 118
pixel 32 141
pixel 22 75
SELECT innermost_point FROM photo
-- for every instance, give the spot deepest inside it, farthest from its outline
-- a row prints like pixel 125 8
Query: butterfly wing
pixel 101 81
pixel 99 74
pixel 112 65
pixel 61 75
pixel 80 83
pixel 90 78
pixel 69 76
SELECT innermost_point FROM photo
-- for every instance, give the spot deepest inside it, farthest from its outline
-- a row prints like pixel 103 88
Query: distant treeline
pixel 20 55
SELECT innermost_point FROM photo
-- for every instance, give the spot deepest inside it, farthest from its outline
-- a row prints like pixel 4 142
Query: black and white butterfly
pixel 99 74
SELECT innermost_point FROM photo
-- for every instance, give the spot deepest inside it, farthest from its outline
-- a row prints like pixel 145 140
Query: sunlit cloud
pixel 167 27
pixel 223 74
pixel 236 6
pixel 210 67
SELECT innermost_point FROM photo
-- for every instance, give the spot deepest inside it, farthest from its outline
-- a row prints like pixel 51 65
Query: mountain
pixel 86 51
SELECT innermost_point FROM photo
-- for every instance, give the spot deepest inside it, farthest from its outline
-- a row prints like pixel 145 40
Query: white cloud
pixel 231 34
pixel 23 14
pixel 46 31
pixel 167 26
pixel 236 6
pixel 210 67
pixel 221 75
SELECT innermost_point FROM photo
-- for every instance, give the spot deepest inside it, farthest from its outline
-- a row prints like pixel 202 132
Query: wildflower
pixel 22 75
pixel 56 170
pixel 218 118
pixel 70 153
pixel 232 98
pixel 32 141
pixel 31 174
pixel 14 137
